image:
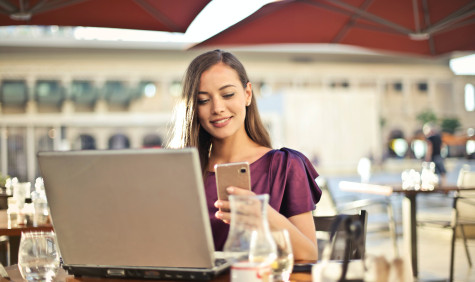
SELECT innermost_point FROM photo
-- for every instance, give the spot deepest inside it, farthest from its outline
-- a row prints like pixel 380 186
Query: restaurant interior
pixel 357 114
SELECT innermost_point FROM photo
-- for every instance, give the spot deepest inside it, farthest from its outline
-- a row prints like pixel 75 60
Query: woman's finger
pixel 221 204
pixel 224 216
pixel 232 190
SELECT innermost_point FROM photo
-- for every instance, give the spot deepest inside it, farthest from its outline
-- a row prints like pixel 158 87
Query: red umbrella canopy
pixel 160 15
pixel 423 27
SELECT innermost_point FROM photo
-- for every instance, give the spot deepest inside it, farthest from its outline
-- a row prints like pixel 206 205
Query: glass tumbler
pixel 38 256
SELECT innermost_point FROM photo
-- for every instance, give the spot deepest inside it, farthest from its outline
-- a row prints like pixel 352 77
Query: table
pixel 409 209
pixel 62 276
pixel 14 231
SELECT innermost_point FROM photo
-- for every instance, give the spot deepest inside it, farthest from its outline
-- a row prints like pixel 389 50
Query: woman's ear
pixel 248 92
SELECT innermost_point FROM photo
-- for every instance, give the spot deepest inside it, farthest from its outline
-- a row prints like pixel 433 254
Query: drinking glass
pixel 38 256
pixel 282 267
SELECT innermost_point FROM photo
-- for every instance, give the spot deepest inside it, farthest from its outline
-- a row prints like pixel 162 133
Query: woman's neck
pixel 234 150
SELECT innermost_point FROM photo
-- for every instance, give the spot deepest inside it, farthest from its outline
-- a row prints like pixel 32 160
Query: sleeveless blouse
pixel 286 175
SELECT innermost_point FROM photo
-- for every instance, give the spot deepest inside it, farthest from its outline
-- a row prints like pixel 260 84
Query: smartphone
pixel 232 174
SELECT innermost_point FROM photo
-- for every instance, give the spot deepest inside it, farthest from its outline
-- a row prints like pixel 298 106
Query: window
pixel 422 87
pixel 152 141
pixel 116 93
pixel 45 142
pixel 419 148
pixel 397 86
pixel 469 97
pixel 397 144
pixel 14 92
pixel 48 92
pixel 119 141
pixel 175 88
pixel 470 148
pixel 83 92
pixel 16 146
pixel 147 89
pixel 399 147
pixel 85 142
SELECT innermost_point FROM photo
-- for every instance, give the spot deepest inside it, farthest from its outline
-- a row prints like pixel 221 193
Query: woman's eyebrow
pixel 220 88
pixel 226 86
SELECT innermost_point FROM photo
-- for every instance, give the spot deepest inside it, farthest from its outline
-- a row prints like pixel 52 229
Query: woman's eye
pixel 202 101
pixel 228 95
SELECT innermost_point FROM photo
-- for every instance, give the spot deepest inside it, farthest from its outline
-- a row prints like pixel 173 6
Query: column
pixel 31 105
pixel 135 135
pixel 432 97
pixel 57 138
pixel 4 150
pixel 101 104
pixel 102 137
pixel 379 89
pixel 68 105
pixel 407 104
pixel 30 153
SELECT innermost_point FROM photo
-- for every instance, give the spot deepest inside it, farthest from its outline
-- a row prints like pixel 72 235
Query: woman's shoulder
pixel 290 158
pixel 287 154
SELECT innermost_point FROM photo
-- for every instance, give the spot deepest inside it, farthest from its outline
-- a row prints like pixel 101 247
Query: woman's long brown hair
pixel 187 131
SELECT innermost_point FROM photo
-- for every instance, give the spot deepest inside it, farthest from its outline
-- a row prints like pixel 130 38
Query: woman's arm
pixel 301 227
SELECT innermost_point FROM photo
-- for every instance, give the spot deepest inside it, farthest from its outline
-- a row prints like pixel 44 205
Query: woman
pixel 221 119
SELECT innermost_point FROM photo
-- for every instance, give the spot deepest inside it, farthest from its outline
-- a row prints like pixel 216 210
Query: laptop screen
pixel 143 207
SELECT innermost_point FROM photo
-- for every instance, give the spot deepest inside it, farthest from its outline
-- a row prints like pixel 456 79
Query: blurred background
pixel 75 87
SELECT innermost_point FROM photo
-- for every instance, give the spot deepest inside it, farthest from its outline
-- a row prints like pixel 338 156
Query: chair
pixel 329 203
pixel 5 250
pixel 462 213
pixel 325 223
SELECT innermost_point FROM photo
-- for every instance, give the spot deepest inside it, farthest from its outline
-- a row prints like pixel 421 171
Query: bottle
pixel 249 237
pixel 40 204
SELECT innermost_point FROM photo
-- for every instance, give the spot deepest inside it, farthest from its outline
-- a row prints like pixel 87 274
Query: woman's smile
pixel 221 122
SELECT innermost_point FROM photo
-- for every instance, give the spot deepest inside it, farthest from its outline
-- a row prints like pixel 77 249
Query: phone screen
pixel 232 174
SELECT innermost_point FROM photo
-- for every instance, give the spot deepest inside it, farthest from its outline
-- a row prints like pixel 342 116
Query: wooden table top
pixel 13 229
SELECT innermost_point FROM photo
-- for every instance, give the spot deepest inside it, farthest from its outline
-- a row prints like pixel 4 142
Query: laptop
pixel 138 213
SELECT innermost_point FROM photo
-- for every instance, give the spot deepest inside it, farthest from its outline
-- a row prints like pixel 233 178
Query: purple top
pixel 286 175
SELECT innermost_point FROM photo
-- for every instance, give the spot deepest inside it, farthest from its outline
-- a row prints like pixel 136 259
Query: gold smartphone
pixel 232 174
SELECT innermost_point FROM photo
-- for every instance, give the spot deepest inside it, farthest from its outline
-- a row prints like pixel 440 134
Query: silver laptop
pixel 131 213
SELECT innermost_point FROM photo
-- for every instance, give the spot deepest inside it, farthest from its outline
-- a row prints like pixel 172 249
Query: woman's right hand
pixel 224 212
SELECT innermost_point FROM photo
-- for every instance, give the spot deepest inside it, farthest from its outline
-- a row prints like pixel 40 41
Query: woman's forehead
pixel 220 75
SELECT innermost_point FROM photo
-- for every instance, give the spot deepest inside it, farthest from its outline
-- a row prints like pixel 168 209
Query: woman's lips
pixel 221 122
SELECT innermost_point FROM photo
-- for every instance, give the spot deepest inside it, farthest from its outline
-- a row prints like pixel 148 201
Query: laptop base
pixel 146 273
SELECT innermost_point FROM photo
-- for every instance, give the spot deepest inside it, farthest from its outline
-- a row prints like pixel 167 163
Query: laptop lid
pixel 139 208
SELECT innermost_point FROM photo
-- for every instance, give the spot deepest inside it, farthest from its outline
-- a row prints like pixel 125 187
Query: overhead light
pixel 419 36
pixel 21 16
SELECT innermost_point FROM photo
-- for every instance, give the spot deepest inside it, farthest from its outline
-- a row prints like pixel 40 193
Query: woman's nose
pixel 218 105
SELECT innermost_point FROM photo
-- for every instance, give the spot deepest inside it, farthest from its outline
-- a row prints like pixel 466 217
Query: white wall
pixel 337 127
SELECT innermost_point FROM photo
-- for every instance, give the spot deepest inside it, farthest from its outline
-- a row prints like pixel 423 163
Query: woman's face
pixel 222 102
